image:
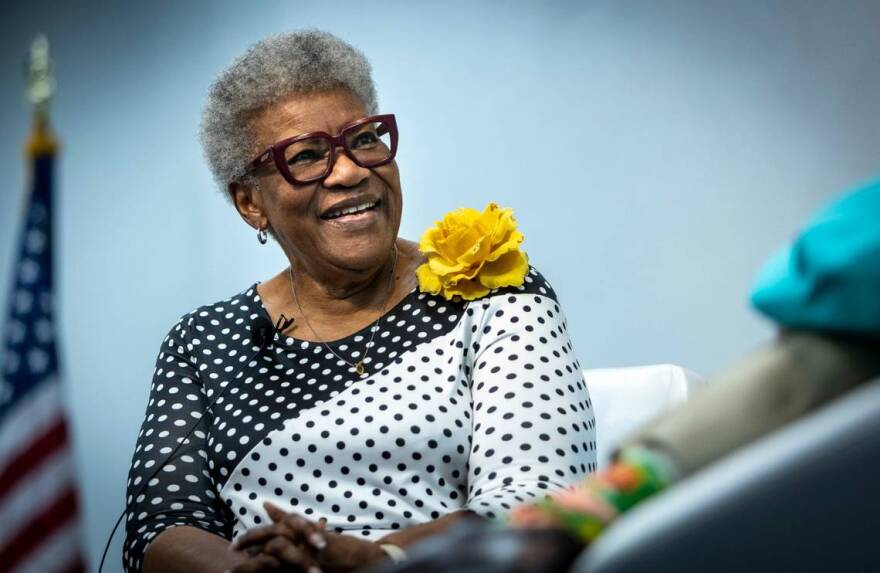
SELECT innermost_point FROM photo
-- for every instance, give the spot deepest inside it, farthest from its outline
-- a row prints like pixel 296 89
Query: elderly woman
pixel 380 414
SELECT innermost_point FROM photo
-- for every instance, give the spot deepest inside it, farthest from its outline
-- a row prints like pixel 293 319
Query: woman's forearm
pixel 416 533
pixel 185 549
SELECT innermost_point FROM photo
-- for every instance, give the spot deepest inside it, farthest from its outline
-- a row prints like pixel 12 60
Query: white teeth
pixel 351 210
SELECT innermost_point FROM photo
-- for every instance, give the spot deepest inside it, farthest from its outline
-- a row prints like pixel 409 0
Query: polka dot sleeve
pixel 183 492
pixel 534 430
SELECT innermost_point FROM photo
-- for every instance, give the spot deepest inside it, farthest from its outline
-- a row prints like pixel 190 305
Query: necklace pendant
pixel 359 368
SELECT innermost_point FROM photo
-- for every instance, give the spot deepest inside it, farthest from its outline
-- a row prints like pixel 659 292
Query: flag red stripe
pixel 76 567
pixel 45 444
pixel 39 529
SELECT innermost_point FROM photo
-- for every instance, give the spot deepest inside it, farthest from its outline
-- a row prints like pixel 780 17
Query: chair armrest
pixel 799 499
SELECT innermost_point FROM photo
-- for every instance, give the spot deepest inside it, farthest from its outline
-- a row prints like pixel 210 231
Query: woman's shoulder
pixel 232 313
pixel 534 283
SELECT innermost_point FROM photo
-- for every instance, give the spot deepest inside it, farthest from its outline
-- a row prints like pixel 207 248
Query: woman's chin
pixel 359 254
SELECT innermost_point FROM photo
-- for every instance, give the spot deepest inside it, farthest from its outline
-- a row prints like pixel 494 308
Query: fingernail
pixel 317 541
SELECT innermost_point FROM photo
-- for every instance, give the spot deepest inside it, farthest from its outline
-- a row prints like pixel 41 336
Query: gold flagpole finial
pixel 40 89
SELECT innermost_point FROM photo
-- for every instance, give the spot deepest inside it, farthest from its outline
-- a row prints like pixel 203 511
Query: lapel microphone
pixel 262 332
pixel 263 335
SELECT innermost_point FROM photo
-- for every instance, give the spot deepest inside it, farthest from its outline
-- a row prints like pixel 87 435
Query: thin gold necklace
pixel 359 365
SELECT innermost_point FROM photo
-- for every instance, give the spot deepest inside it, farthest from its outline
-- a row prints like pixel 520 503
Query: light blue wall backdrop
pixel 655 153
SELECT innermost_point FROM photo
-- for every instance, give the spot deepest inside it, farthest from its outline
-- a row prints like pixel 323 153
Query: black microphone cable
pixel 262 334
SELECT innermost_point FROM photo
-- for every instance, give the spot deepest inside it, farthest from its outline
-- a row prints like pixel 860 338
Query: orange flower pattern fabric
pixel 471 253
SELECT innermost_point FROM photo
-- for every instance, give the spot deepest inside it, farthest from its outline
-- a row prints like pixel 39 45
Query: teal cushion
pixel 829 278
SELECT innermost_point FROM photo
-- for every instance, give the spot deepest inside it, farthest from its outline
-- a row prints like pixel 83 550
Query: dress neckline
pixel 290 340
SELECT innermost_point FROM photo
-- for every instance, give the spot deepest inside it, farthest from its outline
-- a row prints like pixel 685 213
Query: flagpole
pixel 40 89
pixel 37 470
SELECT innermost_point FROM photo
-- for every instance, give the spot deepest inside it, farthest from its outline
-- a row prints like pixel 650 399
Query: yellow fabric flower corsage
pixel 470 253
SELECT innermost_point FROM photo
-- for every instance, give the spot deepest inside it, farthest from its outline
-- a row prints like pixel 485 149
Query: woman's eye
pixel 305 156
pixel 365 138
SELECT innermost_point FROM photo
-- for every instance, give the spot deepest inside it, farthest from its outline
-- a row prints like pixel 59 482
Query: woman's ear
pixel 248 202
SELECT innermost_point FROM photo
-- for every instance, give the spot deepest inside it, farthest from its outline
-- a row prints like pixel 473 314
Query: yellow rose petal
pixel 443 266
pixel 509 270
pixel 477 253
pixel 466 289
pixel 429 239
pixel 461 241
pixel 511 243
pixel 460 218
pixel 428 281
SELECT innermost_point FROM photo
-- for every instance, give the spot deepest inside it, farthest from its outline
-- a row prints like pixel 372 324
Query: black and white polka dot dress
pixel 476 405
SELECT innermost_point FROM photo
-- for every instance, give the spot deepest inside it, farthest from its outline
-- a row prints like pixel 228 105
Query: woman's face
pixel 304 217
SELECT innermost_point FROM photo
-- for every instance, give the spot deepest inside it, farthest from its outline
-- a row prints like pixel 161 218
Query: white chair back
pixel 625 398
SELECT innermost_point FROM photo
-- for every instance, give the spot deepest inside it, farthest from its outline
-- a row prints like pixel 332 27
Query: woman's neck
pixel 340 291
pixel 333 306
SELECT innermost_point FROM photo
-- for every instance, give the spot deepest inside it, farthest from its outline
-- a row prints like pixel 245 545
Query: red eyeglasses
pixel 368 142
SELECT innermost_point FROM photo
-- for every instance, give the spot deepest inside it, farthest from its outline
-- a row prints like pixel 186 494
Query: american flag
pixel 39 520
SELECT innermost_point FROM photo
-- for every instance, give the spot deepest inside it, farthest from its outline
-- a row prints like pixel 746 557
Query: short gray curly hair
pixel 282 64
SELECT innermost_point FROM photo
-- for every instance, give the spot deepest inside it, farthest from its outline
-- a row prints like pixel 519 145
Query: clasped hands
pixel 295 544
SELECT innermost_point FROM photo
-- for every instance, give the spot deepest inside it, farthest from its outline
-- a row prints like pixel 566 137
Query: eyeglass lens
pixel 369 143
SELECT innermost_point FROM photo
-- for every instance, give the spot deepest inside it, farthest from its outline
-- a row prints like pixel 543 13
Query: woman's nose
pixel 345 172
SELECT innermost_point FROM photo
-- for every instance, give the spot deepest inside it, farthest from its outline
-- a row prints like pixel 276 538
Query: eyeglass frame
pixel 275 152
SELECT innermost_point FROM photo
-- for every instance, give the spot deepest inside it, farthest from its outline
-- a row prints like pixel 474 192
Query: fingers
pixel 291 538
pixel 288 525
pixel 288 553
pixel 316 540
pixel 256 536
pixel 275 513
pixel 297 526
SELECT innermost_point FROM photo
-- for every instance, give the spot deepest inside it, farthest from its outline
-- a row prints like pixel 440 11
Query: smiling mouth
pixel 352 210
